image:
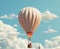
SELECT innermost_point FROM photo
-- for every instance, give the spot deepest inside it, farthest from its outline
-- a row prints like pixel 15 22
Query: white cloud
pixel 11 16
pixel 9 38
pixel 36 45
pixel 50 30
pixel 47 15
pixel 15 25
pixel 54 43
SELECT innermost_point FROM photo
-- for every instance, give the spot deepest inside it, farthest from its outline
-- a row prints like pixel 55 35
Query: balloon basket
pixel 29 43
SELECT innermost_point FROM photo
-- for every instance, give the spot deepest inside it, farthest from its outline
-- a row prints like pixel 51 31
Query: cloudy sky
pixel 12 35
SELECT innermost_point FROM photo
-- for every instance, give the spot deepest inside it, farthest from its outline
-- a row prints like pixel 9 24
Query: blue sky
pixel 8 7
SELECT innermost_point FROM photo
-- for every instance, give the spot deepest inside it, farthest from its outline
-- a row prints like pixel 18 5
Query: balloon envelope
pixel 29 18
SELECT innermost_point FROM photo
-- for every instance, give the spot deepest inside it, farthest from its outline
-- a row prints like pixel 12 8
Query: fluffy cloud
pixel 11 16
pixel 47 15
pixel 36 46
pixel 9 38
pixel 50 30
pixel 53 43
pixel 15 25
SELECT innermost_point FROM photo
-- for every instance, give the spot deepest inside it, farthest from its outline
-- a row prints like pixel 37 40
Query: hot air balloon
pixel 29 18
